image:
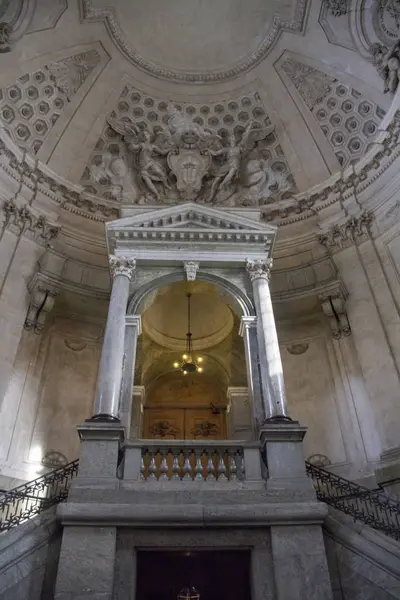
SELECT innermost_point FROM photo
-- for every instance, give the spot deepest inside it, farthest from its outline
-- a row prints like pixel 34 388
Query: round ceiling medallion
pixel 167 38
pixel 165 321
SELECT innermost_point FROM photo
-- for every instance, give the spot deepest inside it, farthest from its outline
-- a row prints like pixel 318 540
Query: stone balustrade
pixel 191 461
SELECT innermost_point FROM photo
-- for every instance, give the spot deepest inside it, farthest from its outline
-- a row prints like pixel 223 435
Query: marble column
pixel 248 331
pixel 106 406
pixel 133 328
pixel 273 387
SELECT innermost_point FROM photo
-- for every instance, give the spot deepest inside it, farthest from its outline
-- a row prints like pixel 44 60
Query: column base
pixel 280 419
pixel 103 418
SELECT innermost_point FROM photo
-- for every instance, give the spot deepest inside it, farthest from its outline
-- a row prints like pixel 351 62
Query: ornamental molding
pixel 89 13
pixel 191 267
pixel 23 221
pixel 259 269
pixel 353 231
pixel 43 292
pixel 340 187
pixel 120 265
pixel 333 307
pixel 338 7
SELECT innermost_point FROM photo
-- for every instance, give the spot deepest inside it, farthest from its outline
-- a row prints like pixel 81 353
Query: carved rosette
pixel 120 265
pixel 191 267
pixel 259 269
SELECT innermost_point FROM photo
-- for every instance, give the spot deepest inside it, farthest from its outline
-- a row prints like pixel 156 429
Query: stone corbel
pixel 43 291
pixel 333 306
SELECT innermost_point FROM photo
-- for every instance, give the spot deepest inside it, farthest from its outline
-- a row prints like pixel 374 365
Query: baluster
pixel 199 467
pixel 142 468
pixel 152 467
pixel 163 466
pixel 232 467
pixel 187 467
pixel 210 467
pixel 240 462
pixel 175 466
pixel 222 468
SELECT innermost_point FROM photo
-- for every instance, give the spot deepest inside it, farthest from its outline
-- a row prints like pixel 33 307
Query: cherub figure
pixel 387 62
pixel 234 153
pixel 151 171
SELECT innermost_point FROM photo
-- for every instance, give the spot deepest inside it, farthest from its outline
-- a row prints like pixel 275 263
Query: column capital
pixel 247 322
pixel 121 265
pixel 134 321
pixel 259 268
pixel 191 267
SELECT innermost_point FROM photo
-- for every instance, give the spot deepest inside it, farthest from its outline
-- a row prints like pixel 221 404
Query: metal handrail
pixel 30 499
pixel 371 507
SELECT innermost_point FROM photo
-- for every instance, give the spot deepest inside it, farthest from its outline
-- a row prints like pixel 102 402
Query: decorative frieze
pixel 301 206
pixel 120 265
pixel 333 306
pixel 191 267
pixel 259 269
pixel 22 220
pixel 354 230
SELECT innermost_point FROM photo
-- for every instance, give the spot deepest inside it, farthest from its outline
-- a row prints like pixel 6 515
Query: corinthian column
pixel 106 405
pixel 273 386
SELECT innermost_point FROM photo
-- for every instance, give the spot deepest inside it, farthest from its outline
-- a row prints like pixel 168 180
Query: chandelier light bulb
pixel 189 364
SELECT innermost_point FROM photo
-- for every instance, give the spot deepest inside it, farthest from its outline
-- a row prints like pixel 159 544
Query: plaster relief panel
pixel 153 151
pixel 311 397
pixel 349 121
pixel 31 106
pixel 66 393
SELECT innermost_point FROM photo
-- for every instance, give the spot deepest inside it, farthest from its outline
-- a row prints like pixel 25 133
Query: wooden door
pixel 184 424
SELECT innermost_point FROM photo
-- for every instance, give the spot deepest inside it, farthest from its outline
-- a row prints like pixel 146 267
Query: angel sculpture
pixel 151 171
pixel 114 172
pixel 387 62
pixel 234 153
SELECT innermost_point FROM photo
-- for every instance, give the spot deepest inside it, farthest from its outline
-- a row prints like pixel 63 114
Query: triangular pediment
pixel 189 216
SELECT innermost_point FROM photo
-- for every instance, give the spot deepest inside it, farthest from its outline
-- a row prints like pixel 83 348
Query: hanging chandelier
pixel 189 364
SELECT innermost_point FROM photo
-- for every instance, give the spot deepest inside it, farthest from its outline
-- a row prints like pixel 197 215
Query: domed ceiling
pixel 196 40
pixel 290 86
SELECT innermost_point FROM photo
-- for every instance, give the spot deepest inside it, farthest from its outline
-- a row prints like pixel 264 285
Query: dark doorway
pixel 215 574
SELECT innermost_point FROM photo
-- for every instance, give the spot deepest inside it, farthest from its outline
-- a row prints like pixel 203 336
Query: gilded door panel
pixel 164 424
pixel 202 424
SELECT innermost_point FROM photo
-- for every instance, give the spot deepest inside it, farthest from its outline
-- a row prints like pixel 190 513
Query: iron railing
pixel 371 507
pixel 30 499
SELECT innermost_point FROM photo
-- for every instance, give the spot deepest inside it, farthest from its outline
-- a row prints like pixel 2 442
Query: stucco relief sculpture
pixel 5 37
pixel 190 163
pixel 387 62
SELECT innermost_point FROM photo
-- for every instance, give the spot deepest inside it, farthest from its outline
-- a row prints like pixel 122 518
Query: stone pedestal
pixel 282 448
pixel 87 562
pixel 98 462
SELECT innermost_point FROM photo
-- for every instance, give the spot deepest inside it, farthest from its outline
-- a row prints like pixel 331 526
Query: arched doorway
pixel 192 406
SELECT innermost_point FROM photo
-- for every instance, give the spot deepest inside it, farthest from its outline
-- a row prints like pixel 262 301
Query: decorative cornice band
pixel 108 15
pixel 74 199
pixel 22 220
pixel 355 229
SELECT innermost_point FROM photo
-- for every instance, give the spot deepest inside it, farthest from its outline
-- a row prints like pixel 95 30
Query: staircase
pixel 371 507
